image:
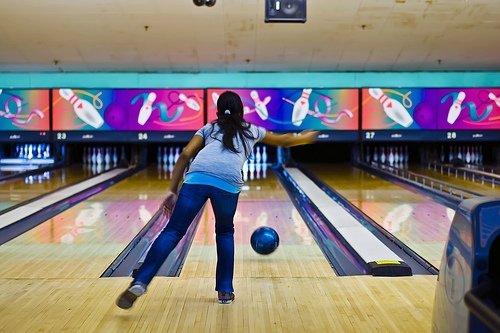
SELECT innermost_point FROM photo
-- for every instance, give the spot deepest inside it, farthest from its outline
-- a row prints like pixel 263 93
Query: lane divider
pixel 381 260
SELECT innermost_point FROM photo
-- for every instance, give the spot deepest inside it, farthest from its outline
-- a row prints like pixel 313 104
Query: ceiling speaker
pixel 292 11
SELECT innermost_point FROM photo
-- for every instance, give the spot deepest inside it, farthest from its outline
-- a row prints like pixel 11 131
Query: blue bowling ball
pixel 264 240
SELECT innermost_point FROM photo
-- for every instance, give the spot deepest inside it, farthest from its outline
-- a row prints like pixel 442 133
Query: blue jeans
pixel 191 198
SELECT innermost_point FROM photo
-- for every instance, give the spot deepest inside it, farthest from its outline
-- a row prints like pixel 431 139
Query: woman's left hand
pixel 169 204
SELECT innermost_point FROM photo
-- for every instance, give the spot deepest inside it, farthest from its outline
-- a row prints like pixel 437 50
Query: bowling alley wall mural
pixel 295 109
pixel 476 109
pixel 24 110
pixel 139 110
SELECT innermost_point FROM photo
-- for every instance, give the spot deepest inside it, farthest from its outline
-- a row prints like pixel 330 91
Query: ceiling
pixel 165 36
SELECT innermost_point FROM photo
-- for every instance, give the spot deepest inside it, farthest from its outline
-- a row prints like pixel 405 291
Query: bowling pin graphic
pixel 190 102
pixel 146 109
pixel 392 108
pixel 215 98
pixel 455 108
pixel 260 106
pixel 490 96
pixel 83 109
pixel 301 107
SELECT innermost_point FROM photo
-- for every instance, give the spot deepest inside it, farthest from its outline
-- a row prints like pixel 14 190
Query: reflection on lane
pixel 262 202
pixel 416 220
pixel 83 240
pixel 15 191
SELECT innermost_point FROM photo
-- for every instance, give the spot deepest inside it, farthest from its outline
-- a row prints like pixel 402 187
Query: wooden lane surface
pixel 272 294
pixel 416 220
pixel 82 241
pixel 483 189
pixel 348 304
pixel 15 191
pixel 262 203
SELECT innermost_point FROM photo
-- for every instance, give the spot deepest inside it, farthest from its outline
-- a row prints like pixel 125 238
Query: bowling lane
pixel 416 220
pixel 483 189
pixel 263 202
pixel 82 241
pixel 15 191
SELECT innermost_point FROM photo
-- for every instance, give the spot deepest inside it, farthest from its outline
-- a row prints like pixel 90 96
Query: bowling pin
pixel 441 156
pixel 158 156
pixel 165 155
pixel 264 155
pixel 47 151
pixel 115 156
pixel 367 155
pixel 382 155
pixel 455 108
pixel 84 157
pixel 375 155
pixel 83 109
pixel 494 98
pixel 107 157
pixel 260 106
pixel 177 153
pixel 245 170
pixel 392 108
pixel 467 156
pixel 258 156
pixel 301 107
pixel 93 156
pixel 30 152
pixel 99 157
pixel 391 157
pixel 146 109
pixel 190 102
pixel 251 168
pixel 171 156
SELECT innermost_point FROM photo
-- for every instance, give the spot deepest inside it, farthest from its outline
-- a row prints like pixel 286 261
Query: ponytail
pixel 231 122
